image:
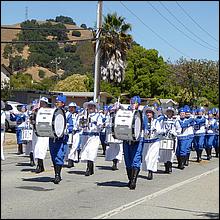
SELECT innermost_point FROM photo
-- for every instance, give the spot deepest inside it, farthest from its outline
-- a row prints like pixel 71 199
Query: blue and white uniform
pixel 216 139
pixel 170 129
pixel 199 130
pixel 114 148
pixel 20 123
pixel 90 137
pixel 210 133
pixel 58 146
pixel 74 146
pixel 152 132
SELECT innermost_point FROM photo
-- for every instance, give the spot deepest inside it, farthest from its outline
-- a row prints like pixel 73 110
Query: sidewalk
pixel 10 140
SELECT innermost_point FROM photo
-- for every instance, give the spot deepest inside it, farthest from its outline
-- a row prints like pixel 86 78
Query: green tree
pixel 7 51
pixel 196 77
pixel 21 81
pixel 146 74
pixel 64 20
pixel 73 83
pixel 41 73
pixel 76 33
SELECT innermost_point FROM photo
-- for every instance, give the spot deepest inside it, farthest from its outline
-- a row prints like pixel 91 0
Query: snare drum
pixel 26 134
pixel 50 122
pixel 127 125
pixel 167 144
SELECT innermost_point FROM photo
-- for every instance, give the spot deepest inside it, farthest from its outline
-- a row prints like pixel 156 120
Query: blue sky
pixel 188 29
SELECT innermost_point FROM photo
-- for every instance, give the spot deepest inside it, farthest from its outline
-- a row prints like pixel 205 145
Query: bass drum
pixel 127 125
pixel 109 138
pixel 50 122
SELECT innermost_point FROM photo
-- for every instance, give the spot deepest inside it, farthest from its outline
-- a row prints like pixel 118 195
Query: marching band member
pixel 29 146
pixel 58 146
pixel 160 113
pixel 3 117
pixel 216 139
pixel 170 128
pixel 72 153
pixel 199 133
pixel 102 134
pixel 40 144
pixel 20 123
pixel 133 151
pixel 91 126
pixel 190 133
pixel 210 134
pixel 152 132
pixel 183 144
pixel 114 149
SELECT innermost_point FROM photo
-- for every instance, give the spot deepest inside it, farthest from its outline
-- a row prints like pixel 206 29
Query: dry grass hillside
pixel 10 34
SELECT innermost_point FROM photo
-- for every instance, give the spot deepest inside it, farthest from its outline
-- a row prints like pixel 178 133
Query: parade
pixel 140 138
pixel 109 110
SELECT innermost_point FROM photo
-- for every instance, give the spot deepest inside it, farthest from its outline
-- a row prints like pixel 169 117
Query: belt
pixel 91 133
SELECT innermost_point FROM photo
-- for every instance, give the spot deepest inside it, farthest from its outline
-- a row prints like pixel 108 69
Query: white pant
pixel 40 146
pixel 72 152
pixel 90 145
pixel 114 151
pixel 150 156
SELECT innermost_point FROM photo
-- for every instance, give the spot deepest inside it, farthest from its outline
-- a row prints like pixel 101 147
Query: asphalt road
pixel 192 193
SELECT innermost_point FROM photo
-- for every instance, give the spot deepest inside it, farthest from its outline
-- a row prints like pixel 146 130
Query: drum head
pixel 137 125
pixel 59 123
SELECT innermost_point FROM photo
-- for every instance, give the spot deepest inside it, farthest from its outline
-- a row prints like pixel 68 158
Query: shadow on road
pixel 104 167
pixel 34 188
pixel 112 183
pixel 76 172
pixel 39 179
pixel 210 215
pixel 23 164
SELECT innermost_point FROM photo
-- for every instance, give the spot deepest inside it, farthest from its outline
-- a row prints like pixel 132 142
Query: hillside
pixel 10 34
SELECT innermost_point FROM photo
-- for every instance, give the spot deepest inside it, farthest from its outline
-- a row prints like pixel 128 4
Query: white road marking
pixel 151 196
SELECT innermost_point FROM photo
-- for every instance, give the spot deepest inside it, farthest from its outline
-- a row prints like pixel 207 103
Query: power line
pixel 43 41
pixel 177 27
pixel 155 32
pixel 195 22
pixel 185 26
pixel 47 29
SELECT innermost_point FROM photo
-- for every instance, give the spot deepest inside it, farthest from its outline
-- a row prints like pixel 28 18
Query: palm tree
pixel 114 45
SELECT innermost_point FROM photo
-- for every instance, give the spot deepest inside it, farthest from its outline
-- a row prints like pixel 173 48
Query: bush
pixel 41 74
pixel 70 48
pixel 83 26
pixel 76 33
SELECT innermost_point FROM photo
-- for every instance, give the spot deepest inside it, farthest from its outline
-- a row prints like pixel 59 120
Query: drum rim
pixel 53 119
pixel 136 112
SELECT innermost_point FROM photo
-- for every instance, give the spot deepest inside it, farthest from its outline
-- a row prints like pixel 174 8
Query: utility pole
pixel 57 61
pixel 96 97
